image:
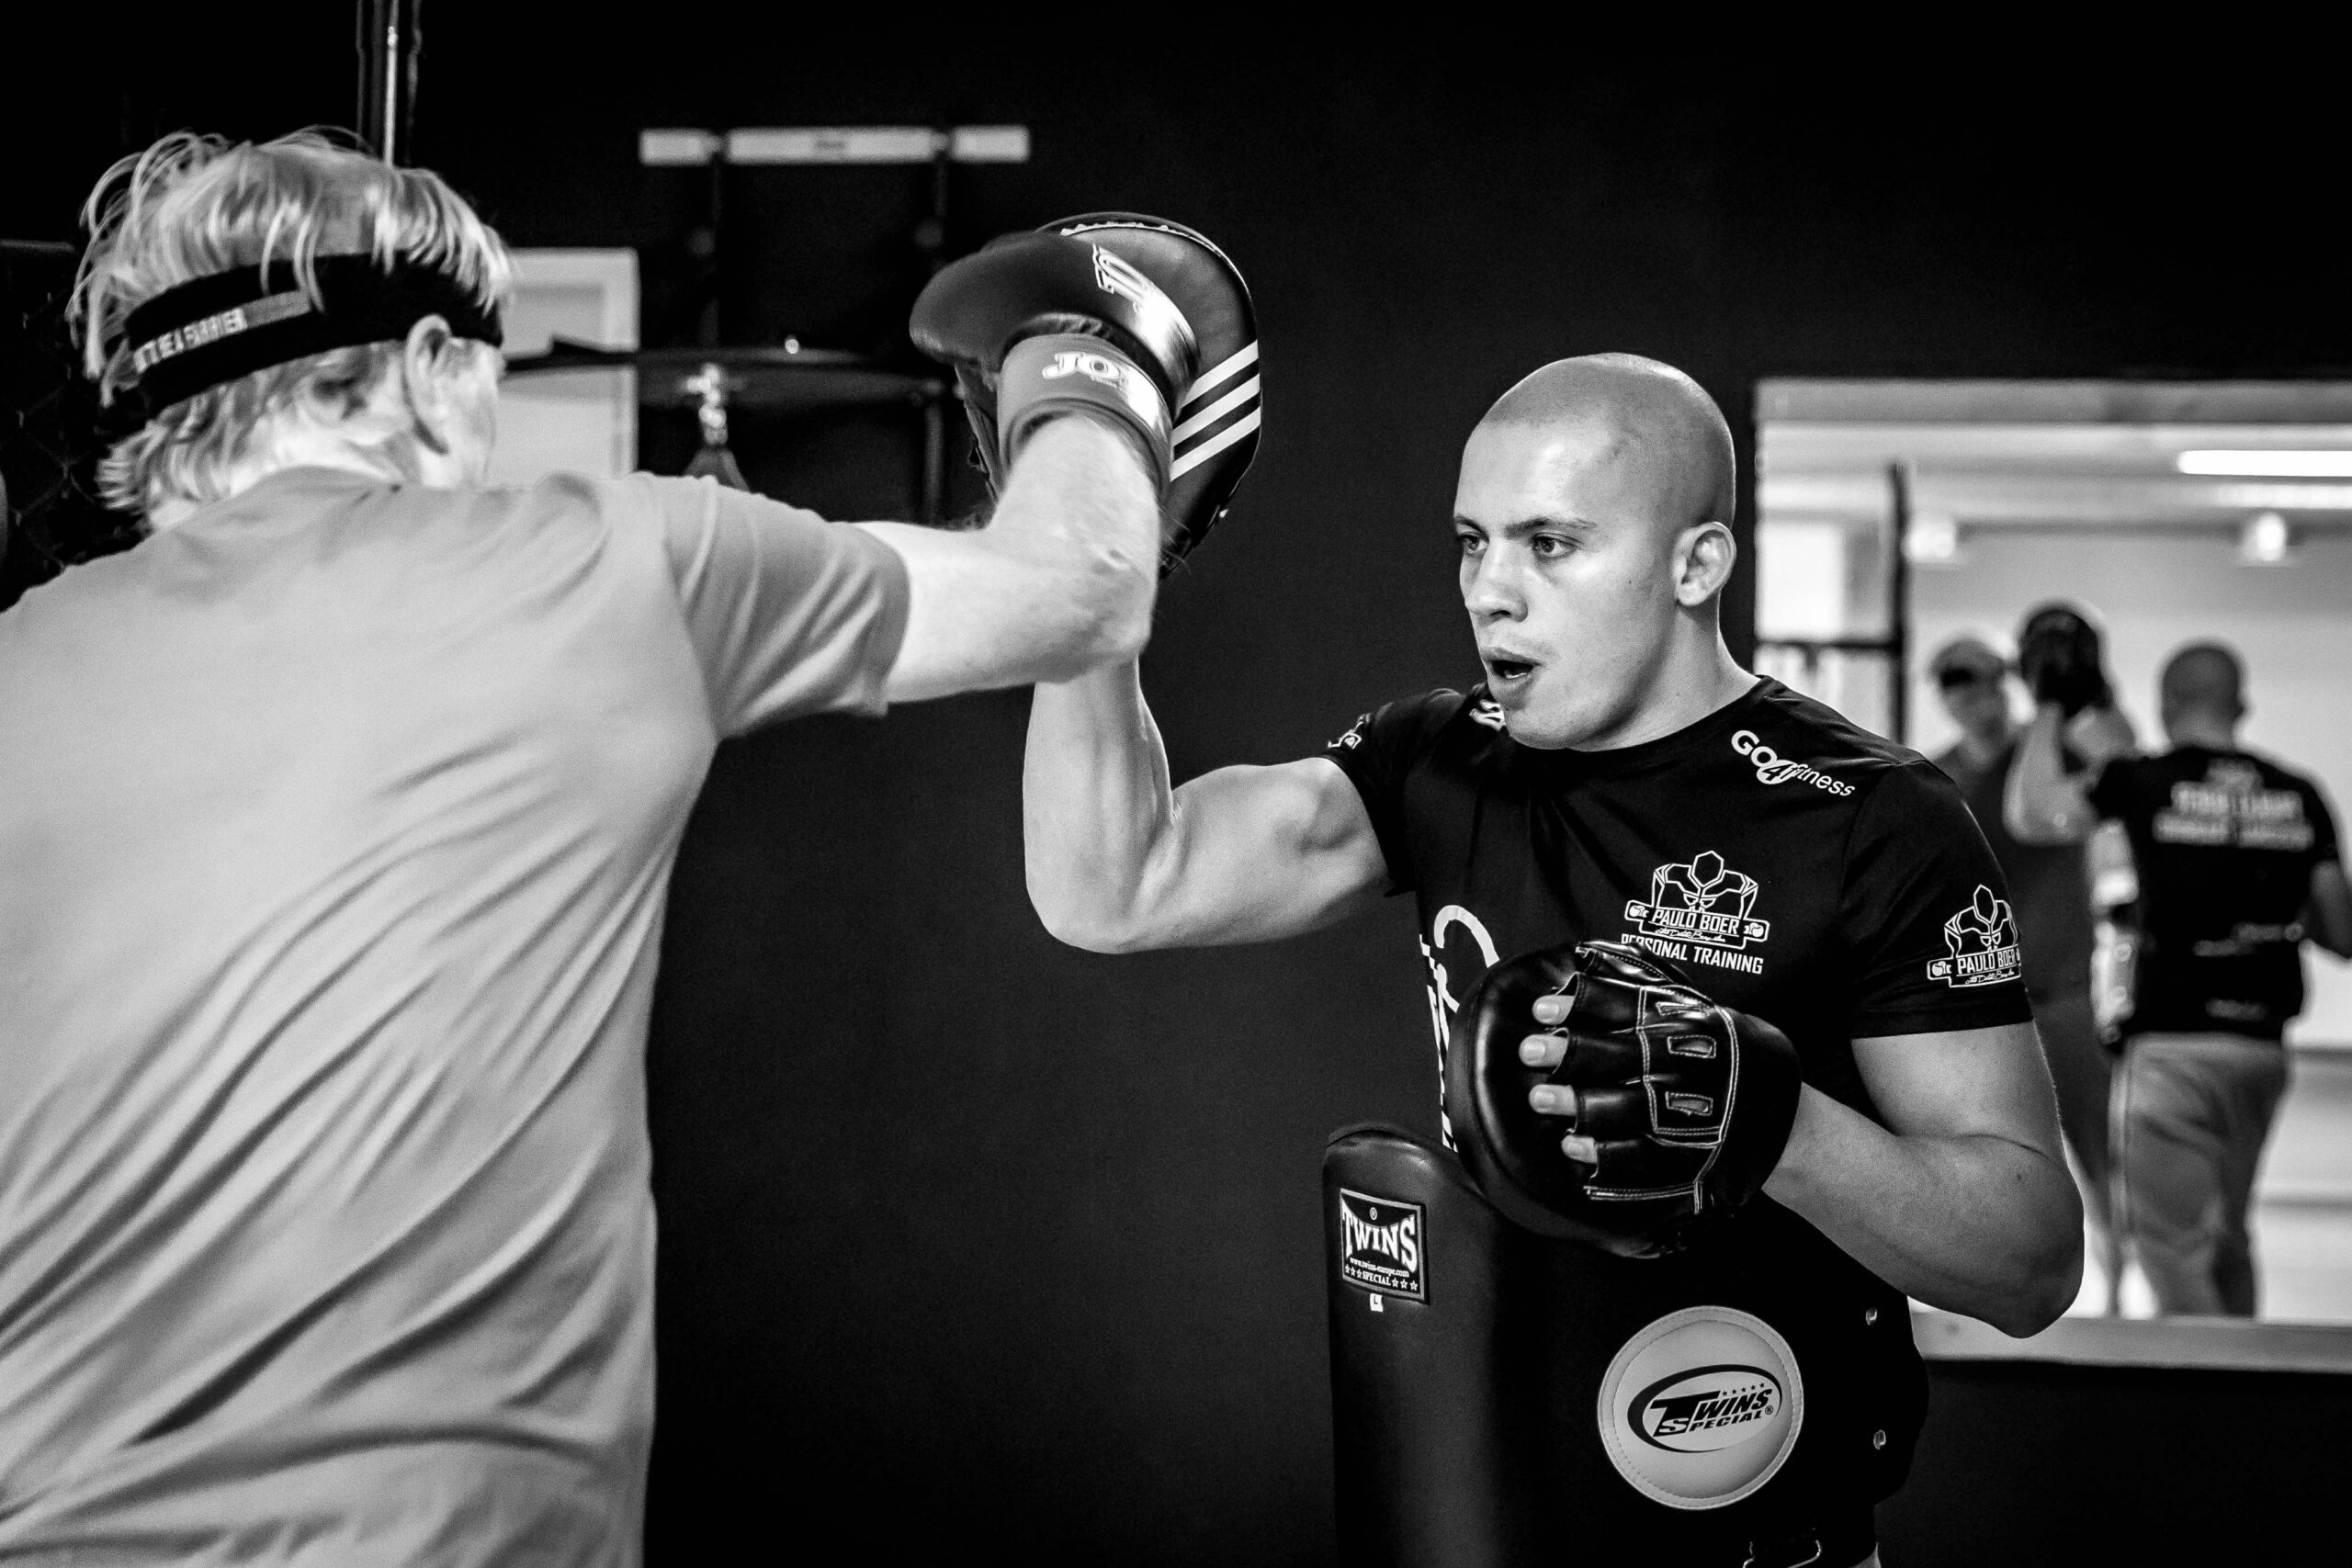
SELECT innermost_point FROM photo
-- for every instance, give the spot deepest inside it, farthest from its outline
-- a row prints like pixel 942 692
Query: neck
pixel 1698 677
pixel 2209 730
pixel 400 459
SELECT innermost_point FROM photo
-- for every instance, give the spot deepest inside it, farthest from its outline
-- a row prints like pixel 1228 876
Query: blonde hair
pixel 193 205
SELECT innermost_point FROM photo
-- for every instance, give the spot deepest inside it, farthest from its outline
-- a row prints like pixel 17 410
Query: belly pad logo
pixel 1703 900
pixel 1982 941
pixel 1383 1245
pixel 1701 1407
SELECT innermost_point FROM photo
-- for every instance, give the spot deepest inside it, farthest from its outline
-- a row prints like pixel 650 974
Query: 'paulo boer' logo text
pixel 1771 768
pixel 1705 1408
pixel 1981 943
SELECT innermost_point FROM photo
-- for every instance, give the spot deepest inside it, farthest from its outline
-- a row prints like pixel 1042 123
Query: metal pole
pixel 1898 610
pixel 391 37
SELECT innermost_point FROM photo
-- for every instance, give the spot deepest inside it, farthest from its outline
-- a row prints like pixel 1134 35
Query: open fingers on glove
pixel 1604 1110
pixel 1618 1151
pixel 1580 1057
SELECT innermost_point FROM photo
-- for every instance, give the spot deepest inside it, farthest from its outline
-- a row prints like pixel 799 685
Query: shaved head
pixel 1594 513
pixel 2203 678
pixel 1654 416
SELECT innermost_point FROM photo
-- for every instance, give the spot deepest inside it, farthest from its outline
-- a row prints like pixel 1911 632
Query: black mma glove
pixel 2059 660
pixel 1038 324
pixel 1689 1104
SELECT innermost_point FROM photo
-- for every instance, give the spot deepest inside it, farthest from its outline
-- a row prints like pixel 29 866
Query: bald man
pixel 2235 866
pixel 1617 774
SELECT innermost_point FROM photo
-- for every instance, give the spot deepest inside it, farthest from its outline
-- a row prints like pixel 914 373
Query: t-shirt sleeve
pixel 1377 752
pixel 2325 845
pixel 1925 914
pixel 788 614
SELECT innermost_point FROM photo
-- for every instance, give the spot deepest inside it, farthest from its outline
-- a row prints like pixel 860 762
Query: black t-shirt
pixel 2049 887
pixel 1786 863
pixel 2225 843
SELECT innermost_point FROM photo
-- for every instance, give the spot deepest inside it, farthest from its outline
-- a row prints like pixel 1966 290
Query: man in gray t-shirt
pixel 336 819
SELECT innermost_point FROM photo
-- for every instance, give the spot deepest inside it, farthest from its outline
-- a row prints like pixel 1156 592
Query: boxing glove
pixel 1688 1104
pixel 2059 660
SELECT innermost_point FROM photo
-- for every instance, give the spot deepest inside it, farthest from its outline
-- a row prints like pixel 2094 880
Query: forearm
pixel 1096 806
pixel 1080 508
pixel 2042 803
pixel 1975 1224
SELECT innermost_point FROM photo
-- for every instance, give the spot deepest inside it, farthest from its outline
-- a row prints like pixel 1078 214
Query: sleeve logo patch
pixel 1383 1245
pixel 1981 941
pixel 1353 737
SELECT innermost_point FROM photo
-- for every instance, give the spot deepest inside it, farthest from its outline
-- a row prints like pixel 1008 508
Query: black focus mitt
pixel 1152 296
pixel 2061 661
pixel 1688 1104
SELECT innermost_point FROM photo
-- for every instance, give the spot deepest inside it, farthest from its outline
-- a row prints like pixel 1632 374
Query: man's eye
pixel 1550 544
pixel 1471 543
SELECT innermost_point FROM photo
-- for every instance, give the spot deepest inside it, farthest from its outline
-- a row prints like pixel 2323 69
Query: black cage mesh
pixel 50 440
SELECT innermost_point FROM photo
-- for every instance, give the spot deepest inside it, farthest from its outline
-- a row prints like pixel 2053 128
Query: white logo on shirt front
pixel 1697 909
pixel 1771 768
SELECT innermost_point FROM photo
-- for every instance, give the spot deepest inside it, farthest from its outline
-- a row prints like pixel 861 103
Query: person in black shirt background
pixel 2049 889
pixel 2236 866
pixel 1617 776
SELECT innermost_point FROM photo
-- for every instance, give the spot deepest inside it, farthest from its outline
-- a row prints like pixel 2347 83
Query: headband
pixel 216 329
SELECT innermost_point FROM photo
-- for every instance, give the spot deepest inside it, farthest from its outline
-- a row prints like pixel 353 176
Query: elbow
pixel 1076 922
pixel 1086 935
pixel 2052 1281
pixel 1108 619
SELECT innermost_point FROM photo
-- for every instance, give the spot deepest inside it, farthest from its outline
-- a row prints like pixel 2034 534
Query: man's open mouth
pixel 1504 671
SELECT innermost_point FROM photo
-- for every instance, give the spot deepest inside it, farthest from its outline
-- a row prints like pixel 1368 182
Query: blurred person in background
pixel 2049 891
pixel 2233 866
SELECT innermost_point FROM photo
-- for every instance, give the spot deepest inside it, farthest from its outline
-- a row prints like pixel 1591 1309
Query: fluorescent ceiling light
pixel 2272 464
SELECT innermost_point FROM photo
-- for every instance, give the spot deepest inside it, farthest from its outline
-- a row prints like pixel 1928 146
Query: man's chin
pixel 1531 726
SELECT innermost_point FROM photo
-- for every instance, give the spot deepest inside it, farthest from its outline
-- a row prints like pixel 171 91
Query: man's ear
pixel 1703 556
pixel 426 383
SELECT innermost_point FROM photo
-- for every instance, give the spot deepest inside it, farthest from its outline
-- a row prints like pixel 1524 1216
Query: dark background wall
pixel 975 1244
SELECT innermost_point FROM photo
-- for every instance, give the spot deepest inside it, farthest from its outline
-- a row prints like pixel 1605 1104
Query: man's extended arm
pixel 1962 1200
pixel 2043 802
pixel 1059 581
pixel 2327 917
pixel 1118 861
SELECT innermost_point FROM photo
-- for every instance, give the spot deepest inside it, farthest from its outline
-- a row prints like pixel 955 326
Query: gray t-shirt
pixel 336 826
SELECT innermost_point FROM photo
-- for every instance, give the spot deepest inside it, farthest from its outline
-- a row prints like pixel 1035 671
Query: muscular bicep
pixel 1259 852
pixel 1966 1082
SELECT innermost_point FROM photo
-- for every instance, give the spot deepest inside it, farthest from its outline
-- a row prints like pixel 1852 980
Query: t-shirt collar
pixel 1679 746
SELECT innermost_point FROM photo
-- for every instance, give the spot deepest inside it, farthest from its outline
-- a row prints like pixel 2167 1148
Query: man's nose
pixel 1493 591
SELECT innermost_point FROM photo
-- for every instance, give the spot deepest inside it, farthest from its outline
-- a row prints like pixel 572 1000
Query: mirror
pixel 1895 516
